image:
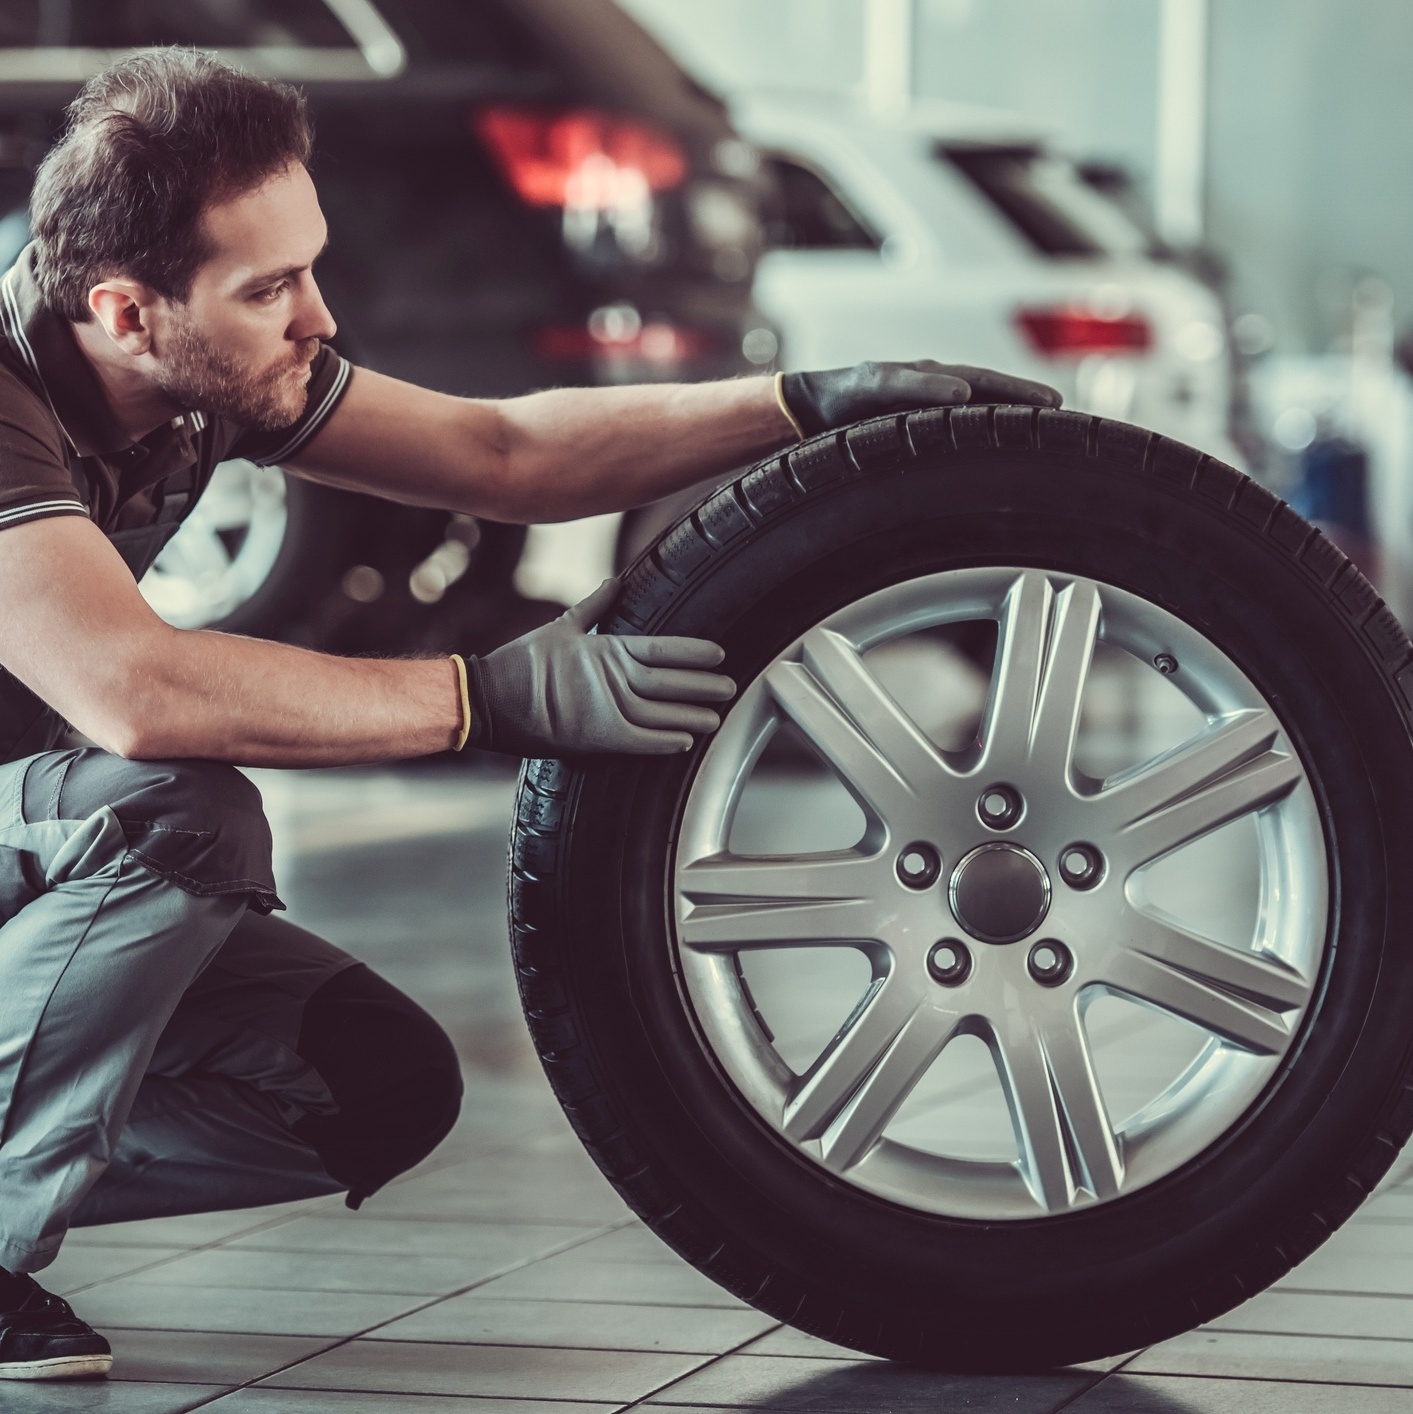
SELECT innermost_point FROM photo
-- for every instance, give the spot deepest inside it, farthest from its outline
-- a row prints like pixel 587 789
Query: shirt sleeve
pixel 34 468
pixel 328 381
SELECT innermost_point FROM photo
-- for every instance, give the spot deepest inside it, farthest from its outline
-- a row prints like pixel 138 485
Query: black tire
pixel 643 526
pixel 590 884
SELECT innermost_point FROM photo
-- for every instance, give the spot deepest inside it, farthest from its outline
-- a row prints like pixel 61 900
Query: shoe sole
pixel 61 1367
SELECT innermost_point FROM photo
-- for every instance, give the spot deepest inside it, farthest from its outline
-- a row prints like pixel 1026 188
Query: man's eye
pixel 274 292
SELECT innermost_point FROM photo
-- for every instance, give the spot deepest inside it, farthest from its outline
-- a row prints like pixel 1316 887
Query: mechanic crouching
pixel 168 1045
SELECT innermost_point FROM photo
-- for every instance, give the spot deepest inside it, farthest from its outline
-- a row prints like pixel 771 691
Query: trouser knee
pixel 198 824
pixel 392 1071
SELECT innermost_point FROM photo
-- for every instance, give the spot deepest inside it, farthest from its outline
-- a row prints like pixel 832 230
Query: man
pixel 166 1045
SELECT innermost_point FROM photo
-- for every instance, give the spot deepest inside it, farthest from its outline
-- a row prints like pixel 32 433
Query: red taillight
pixel 581 158
pixel 656 342
pixel 1071 332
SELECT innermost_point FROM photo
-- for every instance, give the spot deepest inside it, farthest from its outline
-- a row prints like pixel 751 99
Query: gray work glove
pixel 561 690
pixel 839 396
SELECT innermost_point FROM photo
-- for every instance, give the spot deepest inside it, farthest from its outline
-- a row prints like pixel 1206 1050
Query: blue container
pixel 1333 491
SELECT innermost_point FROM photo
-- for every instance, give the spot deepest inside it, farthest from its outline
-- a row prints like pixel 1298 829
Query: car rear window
pixel 1045 200
pixel 211 24
pixel 806 213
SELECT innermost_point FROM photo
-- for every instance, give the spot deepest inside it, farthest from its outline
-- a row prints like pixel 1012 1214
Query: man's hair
pixel 150 143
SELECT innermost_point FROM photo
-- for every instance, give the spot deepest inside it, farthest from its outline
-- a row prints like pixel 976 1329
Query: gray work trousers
pixel 149 1007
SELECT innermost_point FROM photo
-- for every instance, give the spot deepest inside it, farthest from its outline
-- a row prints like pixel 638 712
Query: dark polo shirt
pixel 63 454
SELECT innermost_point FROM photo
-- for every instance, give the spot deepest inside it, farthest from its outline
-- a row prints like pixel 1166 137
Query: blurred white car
pixel 954 234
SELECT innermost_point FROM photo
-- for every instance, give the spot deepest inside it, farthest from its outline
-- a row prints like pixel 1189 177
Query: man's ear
pixel 124 309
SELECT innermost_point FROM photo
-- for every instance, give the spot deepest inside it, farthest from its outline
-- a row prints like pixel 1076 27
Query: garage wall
pixel 1311 154
pixel 1310 111
pixel 732 44
pixel 1082 69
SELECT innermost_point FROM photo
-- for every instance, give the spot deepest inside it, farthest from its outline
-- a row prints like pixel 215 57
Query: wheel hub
pixel 1000 893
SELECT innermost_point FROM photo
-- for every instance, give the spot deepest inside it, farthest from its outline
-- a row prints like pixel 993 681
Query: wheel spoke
pixel 856 1108
pixel 854 722
pixel 1202 785
pixel 1239 996
pixel 1020 660
pixel 866 1073
pixel 739 902
pixel 1046 644
pixel 888 1085
pixel 1066 1141
pixel 197 553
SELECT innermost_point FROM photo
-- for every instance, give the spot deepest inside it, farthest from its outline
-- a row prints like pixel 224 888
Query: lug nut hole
pixel 949 962
pixel 999 807
pixel 919 865
pixel 1050 962
pixel 1081 866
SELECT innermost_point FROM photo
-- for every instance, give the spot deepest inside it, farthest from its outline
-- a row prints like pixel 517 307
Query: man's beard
pixel 197 375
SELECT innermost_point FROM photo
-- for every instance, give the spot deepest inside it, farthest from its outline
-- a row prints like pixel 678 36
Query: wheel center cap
pixel 1000 893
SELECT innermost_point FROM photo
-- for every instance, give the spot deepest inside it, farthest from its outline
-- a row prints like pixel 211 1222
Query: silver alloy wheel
pixel 1093 926
pixel 225 548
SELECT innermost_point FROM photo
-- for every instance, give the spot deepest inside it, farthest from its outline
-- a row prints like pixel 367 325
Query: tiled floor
pixel 505 1277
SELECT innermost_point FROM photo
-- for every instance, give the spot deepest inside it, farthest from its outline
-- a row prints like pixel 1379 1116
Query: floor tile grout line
pixel 305 1210
pixel 1069 1399
pixel 552 1345
pixel 1333 1291
pixel 442 1221
pixel 576 1300
pixel 1103 1375
pixel 600 1301
pixel 705 1365
pixel 267 1226
pixel 608 1406
pixel 426 1305
pixel 1300 1335
pixel 1257 1379
pixel 433 1300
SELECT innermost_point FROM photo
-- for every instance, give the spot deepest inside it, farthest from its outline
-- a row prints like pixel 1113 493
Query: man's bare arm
pixel 549 456
pixel 78 633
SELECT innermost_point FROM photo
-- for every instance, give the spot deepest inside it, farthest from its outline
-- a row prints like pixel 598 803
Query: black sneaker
pixel 42 1339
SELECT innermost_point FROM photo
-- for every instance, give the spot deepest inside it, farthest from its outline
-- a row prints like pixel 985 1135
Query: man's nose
pixel 313 320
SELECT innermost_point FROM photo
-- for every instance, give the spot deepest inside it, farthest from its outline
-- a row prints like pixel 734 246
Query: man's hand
pixel 562 690
pixel 818 402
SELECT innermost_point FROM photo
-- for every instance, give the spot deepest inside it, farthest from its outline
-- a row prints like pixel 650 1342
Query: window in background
pixel 1046 200
pixel 808 214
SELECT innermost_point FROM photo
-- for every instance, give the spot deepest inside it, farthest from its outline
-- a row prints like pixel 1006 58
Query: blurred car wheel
pixel 259 548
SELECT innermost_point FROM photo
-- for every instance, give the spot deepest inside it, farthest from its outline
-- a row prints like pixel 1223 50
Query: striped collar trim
pixel 312 422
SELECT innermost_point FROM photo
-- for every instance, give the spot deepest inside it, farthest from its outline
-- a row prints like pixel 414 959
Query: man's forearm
pixel 77 632
pixel 577 452
pixel 255 703
pixel 556 455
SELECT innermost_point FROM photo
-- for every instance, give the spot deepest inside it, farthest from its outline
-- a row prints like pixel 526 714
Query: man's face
pixel 241 344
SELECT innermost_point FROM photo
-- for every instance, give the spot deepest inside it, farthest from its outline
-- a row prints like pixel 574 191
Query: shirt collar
pixel 46 345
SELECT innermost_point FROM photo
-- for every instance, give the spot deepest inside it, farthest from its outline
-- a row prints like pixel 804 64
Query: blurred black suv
pixel 520 194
